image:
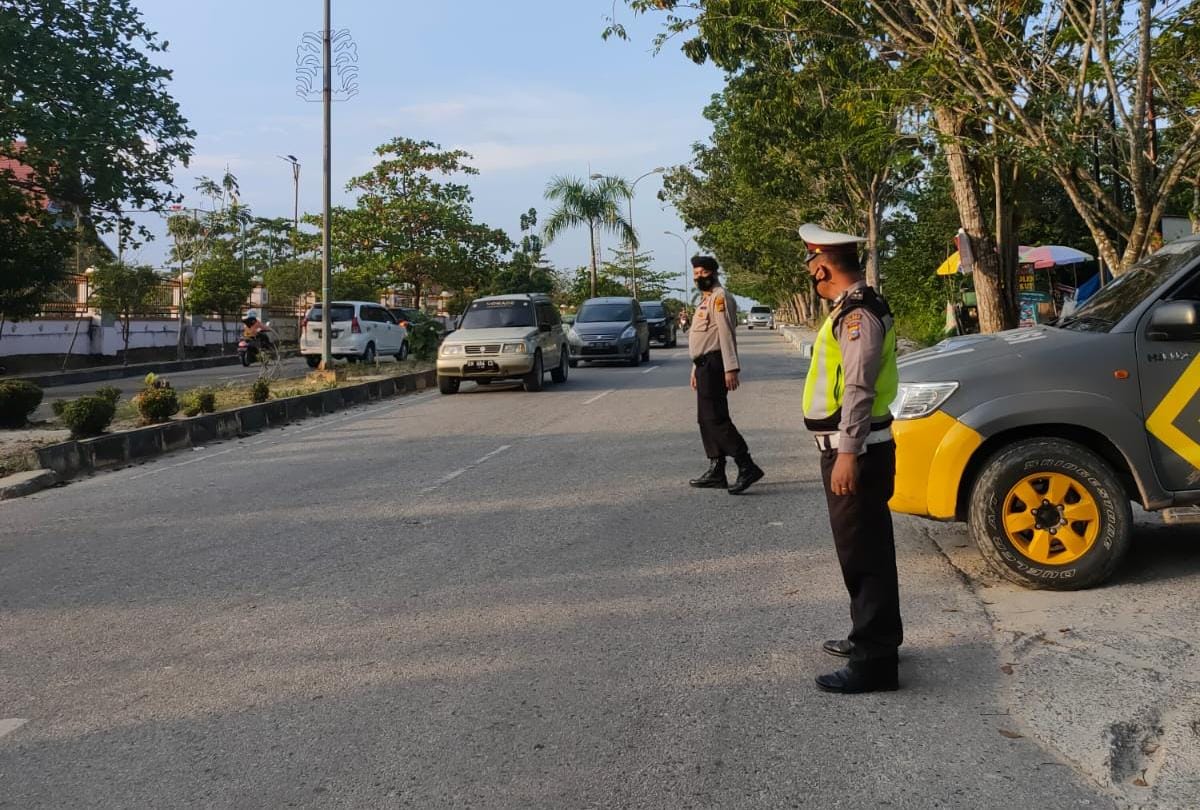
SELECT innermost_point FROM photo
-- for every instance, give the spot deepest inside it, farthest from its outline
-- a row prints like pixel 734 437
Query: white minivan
pixel 359 330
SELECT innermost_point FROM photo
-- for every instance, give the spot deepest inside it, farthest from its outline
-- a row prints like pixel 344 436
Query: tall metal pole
pixel 327 194
pixel 296 203
pixel 687 277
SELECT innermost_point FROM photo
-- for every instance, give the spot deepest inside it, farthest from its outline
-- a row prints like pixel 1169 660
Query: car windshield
pixel 1119 297
pixel 761 310
pixel 653 311
pixel 497 315
pixel 337 312
pixel 605 313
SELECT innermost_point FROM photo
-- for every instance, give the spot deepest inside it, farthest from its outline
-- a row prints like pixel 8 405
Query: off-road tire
pixel 559 375
pixel 448 385
pixel 535 379
pixel 1089 472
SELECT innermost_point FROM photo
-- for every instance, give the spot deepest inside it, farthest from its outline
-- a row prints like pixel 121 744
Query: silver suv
pixel 505 337
pixel 760 316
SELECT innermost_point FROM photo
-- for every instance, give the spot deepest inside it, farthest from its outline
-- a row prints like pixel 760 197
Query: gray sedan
pixel 609 329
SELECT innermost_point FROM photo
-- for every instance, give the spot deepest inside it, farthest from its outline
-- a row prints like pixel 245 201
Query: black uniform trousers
pixel 717 431
pixel 866 549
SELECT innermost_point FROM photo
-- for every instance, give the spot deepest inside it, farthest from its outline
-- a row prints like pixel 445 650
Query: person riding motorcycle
pixel 256 330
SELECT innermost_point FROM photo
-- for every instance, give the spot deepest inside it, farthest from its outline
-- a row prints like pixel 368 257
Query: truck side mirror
pixel 1175 320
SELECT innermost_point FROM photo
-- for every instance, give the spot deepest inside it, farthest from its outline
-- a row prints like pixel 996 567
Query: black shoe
pixel 715 477
pixel 748 473
pixel 841 647
pixel 848 682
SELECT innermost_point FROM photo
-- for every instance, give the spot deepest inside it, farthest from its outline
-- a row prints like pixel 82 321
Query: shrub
pixel 202 400
pixel 423 337
pixel 158 402
pixel 109 392
pixel 261 391
pixel 87 416
pixel 18 399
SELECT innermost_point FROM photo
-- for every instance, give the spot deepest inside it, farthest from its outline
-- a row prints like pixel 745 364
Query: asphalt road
pixel 491 600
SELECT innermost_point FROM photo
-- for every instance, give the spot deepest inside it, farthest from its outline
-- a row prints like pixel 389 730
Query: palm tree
pixel 596 205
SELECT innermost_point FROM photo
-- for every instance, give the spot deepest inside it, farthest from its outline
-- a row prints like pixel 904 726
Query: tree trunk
pixel 1006 241
pixel 221 315
pixel 965 186
pixel 125 338
pixel 873 245
pixel 592 255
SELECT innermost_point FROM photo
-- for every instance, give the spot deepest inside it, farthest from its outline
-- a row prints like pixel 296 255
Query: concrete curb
pixel 800 338
pixel 87 375
pixel 69 459
pixel 26 483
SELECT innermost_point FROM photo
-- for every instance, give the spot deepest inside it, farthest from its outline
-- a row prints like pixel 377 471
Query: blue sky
pixel 527 87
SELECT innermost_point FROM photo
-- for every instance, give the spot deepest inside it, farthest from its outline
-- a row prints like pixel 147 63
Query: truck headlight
pixel 451 349
pixel 629 333
pixel 514 348
pixel 914 400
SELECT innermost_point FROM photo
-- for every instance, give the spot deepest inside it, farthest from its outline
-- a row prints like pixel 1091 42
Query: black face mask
pixel 705 283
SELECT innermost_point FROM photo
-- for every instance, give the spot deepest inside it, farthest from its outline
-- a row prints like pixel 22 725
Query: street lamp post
pixel 295 188
pixel 632 249
pixel 686 267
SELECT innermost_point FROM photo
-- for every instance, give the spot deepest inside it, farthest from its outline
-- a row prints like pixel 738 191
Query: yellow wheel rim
pixel 1051 518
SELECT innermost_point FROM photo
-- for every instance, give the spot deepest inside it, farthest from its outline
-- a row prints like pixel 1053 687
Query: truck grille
pixel 489 348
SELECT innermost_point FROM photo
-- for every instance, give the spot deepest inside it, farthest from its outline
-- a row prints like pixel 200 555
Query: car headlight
pixel 572 335
pixel 629 333
pixel 514 348
pixel 915 400
pixel 451 349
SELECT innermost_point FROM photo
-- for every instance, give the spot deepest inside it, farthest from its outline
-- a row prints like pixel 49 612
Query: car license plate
pixel 598 345
pixel 317 334
pixel 337 333
pixel 481 365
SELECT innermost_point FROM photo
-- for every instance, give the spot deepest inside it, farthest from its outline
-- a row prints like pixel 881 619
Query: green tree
pixel 627 265
pixel 126 290
pixel 33 255
pixel 409 228
pixel 578 287
pixel 221 284
pixel 293 279
pixel 84 107
pixel 356 284
pixel 595 204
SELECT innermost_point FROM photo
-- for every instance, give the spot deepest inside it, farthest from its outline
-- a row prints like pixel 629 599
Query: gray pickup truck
pixel 1041 438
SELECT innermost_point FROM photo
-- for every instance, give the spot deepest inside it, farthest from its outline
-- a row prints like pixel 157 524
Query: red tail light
pixel 354 327
pixel 303 323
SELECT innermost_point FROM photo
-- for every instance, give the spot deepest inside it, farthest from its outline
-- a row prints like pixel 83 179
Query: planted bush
pixel 87 416
pixel 158 401
pixel 261 391
pixel 18 399
pixel 202 400
pixel 109 392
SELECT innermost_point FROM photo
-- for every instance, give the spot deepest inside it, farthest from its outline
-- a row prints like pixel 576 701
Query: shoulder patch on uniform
pixel 719 303
pixel 854 330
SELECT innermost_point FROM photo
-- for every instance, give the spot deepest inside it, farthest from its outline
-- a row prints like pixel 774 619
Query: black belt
pixel 703 359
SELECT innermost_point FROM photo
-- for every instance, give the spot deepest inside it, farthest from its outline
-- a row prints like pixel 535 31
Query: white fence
pixel 96 336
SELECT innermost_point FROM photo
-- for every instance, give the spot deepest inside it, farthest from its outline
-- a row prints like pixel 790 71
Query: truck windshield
pixel 1119 297
pixel 497 314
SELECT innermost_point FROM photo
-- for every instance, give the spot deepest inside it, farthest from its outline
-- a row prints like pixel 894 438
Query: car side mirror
pixel 1175 320
pixel 545 327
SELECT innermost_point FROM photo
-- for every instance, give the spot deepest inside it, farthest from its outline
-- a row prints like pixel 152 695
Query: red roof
pixel 22 174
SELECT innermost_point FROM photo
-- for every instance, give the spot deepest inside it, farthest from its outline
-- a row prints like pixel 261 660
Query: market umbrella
pixel 953 263
pixel 1044 256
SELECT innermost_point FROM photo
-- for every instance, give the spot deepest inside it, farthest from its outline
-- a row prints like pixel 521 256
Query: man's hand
pixel 844 478
pixel 731 380
pixel 693 377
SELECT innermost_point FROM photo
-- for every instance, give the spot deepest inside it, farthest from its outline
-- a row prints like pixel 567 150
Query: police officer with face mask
pixel 847 393
pixel 715 371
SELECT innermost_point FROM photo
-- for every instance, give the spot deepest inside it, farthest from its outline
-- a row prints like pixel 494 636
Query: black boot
pixel 715 477
pixel 748 473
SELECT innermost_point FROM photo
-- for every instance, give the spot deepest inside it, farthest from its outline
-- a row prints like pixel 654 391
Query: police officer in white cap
pixel 847 393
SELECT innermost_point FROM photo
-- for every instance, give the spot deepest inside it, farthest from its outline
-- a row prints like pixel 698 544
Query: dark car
pixel 661 325
pixel 406 317
pixel 611 328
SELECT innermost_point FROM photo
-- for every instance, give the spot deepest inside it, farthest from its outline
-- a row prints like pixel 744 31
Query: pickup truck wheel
pixel 448 385
pixel 1050 514
pixel 536 377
